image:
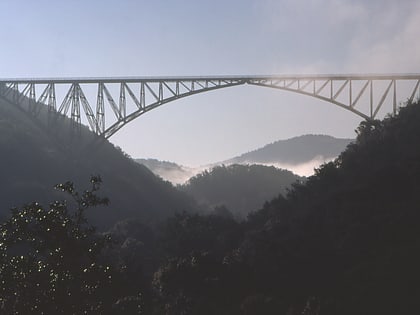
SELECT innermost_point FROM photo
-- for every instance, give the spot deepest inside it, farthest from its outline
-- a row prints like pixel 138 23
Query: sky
pixel 93 38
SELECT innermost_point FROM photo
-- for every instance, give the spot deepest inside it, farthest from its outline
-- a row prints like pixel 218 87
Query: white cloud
pixel 397 50
pixel 343 36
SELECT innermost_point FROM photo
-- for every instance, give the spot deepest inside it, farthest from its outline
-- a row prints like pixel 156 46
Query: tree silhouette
pixel 50 258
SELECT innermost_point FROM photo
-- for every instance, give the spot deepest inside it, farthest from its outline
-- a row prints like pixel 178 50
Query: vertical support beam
pixel 32 100
pixel 371 98
pixel 15 90
pixel 123 104
pixel 160 92
pixel 331 89
pixel 142 96
pixel 100 110
pixel 32 91
pixel 394 101
pixel 75 104
pixel 75 110
pixel 52 103
pixel 351 93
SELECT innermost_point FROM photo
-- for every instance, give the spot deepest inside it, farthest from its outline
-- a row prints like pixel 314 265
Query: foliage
pixel 344 242
pixel 240 188
pixel 50 259
pixel 186 233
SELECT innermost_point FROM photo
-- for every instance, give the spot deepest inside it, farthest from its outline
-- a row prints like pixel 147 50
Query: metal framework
pixel 120 100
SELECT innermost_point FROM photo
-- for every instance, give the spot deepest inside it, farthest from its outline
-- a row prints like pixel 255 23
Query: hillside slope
pixel 357 223
pixel 241 188
pixel 344 242
pixel 34 158
pixel 295 150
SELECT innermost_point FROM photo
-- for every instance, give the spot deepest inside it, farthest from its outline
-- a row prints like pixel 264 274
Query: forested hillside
pixel 34 157
pixel 295 150
pixel 346 241
pixel 239 188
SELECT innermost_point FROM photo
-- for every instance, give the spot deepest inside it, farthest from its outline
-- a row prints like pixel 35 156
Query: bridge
pixel 117 101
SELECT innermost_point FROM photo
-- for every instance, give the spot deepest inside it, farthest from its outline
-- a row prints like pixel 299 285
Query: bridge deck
pixel 134 79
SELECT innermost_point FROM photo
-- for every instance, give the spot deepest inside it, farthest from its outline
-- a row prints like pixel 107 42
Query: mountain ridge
pixel 295 150
pixel 300 154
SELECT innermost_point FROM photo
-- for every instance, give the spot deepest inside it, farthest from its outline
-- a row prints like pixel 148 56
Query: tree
pixel 50 258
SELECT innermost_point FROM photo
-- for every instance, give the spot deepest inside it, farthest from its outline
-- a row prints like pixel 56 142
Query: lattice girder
pixel 121 100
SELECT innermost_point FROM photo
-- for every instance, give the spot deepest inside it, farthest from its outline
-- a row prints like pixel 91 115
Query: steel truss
pixel 121 100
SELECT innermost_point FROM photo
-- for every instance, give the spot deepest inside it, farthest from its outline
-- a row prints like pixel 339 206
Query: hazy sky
pixel 147 38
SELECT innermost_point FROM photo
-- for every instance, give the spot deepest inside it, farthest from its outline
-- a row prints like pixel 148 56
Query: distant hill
pixel 297 150
pixel 34 158
pixel 240 188
pixel 175 173
pixel 301 155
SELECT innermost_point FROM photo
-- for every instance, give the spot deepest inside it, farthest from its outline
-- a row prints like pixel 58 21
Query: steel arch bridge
pixel 120 100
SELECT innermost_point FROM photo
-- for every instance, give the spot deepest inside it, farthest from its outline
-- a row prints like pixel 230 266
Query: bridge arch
pixel 148 93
